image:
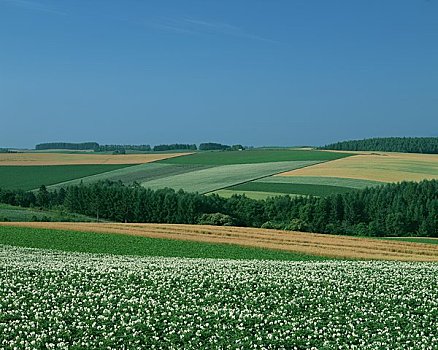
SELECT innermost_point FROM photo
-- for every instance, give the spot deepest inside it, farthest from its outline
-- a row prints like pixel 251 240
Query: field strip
pixel 384 167
pixel 138 173
pixel 298 242
pixel 24 159
pixel 223 176
pixel 322 180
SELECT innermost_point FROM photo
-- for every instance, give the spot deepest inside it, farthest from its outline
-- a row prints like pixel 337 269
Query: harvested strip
pixel 24 159
pixel 306 243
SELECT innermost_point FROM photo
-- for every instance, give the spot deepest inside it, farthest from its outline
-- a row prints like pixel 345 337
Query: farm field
pixel 219 177
pixel 290 188
pixel 297 242
pixel 123 244
pixel 54 158
pixel 32 177
pixel 321 180
pixel 384 167
pixel 158 302
pixel 15 213
pixel 255 156
pixel 137 173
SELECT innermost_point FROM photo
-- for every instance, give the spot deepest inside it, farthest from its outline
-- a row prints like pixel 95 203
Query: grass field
pixel 255 156
pixel 296 242
pixel 119 244
pixel 288 188
pixel 52 299
pixel 32 177
pixel 138 173
pixel 212 179
pixel 385 167
pixel 14 213
pixel 321 180
pixel 53 158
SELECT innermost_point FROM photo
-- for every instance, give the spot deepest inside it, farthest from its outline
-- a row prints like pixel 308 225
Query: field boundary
pixel 332 246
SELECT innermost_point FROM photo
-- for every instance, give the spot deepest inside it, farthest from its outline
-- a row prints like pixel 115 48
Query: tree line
pixel 175 147
pixel 83 146
pixel 388 144
pixel 403 209
pixel 212 146
pixel 121 149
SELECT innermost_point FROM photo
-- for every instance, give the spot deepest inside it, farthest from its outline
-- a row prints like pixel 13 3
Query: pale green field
pixel 320 180
pixel 139 173
pixel 212 179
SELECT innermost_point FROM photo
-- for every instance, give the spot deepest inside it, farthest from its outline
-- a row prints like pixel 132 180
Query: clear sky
pixel 255 72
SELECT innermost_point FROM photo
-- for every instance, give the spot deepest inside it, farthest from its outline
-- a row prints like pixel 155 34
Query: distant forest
pixel 402 209
pixel 388 144
pixel 94 146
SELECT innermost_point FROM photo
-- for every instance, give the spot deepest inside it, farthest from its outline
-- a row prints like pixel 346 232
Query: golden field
pixel 21 159
pixel 299 242
pixel 376 166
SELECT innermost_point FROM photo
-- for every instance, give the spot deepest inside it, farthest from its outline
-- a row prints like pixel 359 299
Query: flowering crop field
pixel 60 300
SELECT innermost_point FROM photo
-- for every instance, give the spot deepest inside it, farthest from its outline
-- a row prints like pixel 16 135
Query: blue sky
pixel 271 72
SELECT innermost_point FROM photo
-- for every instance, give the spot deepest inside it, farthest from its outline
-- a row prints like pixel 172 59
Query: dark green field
pixel 285 188
pixel 32 177
pixel 415 239
pixel 86 242
pixel 254 156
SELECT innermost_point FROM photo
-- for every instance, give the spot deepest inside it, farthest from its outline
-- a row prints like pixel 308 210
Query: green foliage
pixel 175 147
pixel 67 145
pixel 102 243
pixel 254 156
pixel 389 144
pixel 403 209
pixel 16 213
pixel 217 219
pixel 290 188
pixel 32 177
pixel 122 148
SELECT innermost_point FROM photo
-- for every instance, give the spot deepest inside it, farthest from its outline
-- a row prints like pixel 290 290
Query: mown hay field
pixel 297 242
pixel 256 156
pixel 219 177
pixel 384 167
pixel 29 159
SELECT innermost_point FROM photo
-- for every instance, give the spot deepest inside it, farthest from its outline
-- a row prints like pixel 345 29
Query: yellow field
pixel 77 159
pixel 307 243
pixel 385 167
